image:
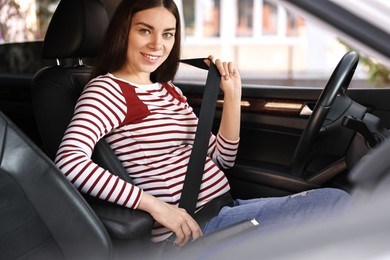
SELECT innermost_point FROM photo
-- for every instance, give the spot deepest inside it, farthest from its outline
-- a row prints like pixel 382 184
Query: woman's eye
pixel 168 35
pixel 144 31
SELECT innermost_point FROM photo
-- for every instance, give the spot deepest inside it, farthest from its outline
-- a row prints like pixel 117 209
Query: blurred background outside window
pixel 269 44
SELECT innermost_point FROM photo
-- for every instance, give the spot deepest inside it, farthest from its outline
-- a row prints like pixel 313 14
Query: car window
pixel 270 43
pixel 23 25
pixel 23 20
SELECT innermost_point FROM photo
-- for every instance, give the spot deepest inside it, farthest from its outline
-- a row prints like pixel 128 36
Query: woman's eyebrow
pixel 152 28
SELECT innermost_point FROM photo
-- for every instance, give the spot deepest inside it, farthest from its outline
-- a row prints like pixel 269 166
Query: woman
pixel 132 103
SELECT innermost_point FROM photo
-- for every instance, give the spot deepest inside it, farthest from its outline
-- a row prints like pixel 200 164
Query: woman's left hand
pixel 230 77
pixel 231 86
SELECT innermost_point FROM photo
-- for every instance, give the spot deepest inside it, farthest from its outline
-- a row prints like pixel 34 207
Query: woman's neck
pixel 142 79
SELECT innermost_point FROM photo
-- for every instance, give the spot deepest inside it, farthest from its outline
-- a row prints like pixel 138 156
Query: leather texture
pixel 76 29
pixel 42 215
pixel 55 90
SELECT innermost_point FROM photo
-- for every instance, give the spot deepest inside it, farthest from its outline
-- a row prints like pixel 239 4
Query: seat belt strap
pixel 196 164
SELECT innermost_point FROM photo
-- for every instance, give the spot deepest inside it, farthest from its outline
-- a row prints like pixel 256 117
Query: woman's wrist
pixel 147 203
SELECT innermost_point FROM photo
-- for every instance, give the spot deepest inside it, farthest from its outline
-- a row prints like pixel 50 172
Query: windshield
pixel 374 11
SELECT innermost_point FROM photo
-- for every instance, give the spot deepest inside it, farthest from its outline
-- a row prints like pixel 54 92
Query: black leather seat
pixel 76 31
pixel 42 216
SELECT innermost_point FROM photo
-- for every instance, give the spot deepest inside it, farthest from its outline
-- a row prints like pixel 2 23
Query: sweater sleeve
pixel 222 151
pixel 100 108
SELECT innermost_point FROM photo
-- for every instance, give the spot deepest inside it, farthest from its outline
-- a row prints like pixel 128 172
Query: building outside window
pixel 245 18
pixel 211 18
pixel 270 18
pixel 264 39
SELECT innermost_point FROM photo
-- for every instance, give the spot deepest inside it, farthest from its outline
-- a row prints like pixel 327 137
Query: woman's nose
pixel 155 43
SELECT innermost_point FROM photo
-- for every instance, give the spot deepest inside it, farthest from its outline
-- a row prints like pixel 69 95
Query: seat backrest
pixel 371 175
pixel 42 215
pixel 76 31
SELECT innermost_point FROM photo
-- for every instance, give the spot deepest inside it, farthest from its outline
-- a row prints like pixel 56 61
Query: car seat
pixel 75 31
pixel 42 215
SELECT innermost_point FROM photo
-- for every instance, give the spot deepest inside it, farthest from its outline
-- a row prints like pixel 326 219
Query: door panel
pixel 271 126
pixel 18 63
pixel 15 103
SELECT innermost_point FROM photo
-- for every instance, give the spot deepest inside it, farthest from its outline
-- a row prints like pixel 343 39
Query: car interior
pixel 292 139
pixel 43 215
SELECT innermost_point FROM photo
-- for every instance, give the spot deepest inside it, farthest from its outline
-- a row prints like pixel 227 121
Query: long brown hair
pixel 112 55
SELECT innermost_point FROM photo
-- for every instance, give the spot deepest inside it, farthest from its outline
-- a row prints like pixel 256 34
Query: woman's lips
pixel 151 58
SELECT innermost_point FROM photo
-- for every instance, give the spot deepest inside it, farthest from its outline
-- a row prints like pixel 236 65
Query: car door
pixel 274 117
pixel 18 63
pixel 272 121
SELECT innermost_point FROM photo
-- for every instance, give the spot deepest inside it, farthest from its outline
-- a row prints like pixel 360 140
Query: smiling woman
pixel 151 40
pixel 150 122
pixel 132 103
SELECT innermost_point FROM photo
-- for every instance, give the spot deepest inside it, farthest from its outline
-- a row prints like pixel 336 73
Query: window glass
pixel 211 17
pixel 24 20
pixel 245 18
pixel 189 17
pixel 270 18
pixel 295 25
pixel 23 24
pixel 267 41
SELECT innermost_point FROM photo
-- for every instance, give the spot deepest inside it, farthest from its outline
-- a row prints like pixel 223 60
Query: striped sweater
pixel 151 129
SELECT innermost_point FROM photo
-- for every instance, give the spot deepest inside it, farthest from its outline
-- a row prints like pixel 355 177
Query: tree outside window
pixel 22 20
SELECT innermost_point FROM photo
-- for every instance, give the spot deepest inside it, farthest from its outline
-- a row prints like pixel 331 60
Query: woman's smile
pixel 151 58
pixel 150 41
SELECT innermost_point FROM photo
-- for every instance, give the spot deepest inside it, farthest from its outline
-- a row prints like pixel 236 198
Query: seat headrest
pixel 76 30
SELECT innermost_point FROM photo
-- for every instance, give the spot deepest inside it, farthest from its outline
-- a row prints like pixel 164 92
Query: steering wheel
pixel 337 84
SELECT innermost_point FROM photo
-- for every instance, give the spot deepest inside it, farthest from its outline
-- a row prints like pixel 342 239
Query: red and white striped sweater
pixel 151 129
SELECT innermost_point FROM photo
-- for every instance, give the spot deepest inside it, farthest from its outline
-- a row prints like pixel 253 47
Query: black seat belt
pixel 197 161
pixel 195 170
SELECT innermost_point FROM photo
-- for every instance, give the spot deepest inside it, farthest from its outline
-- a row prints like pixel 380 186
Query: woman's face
pixel 151 39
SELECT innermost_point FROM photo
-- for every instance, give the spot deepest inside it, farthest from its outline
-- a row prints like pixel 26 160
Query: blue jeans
pixel 281 212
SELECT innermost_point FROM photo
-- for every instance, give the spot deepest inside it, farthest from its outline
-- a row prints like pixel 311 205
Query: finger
pixel 187 234
pixel 226 76
pixel 180 237
pixel 226 68
pixel 194 227
pixel 183 235
pixel 218 63
pixel 209 59
pixel 196 231
pixel 231 68
pixel 221 68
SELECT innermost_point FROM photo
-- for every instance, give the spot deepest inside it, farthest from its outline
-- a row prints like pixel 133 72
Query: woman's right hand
pixel 172 217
